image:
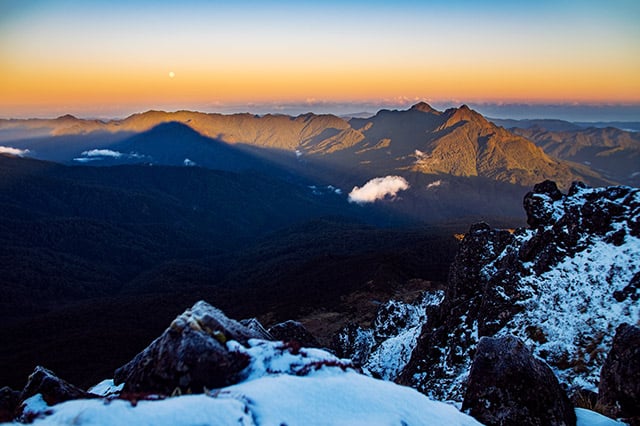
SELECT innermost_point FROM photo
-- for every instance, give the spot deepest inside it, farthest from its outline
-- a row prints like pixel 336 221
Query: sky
pixel 112 58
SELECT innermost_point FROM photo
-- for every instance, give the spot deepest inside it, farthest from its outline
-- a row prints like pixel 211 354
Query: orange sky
pixel 76 57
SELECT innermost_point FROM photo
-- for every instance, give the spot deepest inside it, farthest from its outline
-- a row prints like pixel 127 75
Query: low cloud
pixel 102 153
pixel 13 151
pixel 378 189
pixel 435 184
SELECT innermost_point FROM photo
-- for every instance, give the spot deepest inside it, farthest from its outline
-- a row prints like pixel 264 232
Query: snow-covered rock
pixel 190 355
pixel 280 383
pixel 384 349
pixel 562 285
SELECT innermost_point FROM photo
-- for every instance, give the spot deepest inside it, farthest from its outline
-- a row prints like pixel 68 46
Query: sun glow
pixel 253 52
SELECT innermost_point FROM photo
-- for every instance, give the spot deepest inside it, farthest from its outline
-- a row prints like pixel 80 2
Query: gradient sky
pixel 110 58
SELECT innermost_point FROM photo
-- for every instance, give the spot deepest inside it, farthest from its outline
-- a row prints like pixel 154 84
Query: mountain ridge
pixel 458 141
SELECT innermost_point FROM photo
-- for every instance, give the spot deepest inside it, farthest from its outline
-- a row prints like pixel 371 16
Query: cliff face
pixel 562 285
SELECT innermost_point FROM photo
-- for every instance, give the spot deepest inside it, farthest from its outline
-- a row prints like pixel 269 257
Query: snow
pixel 282 385
pixel 188 410
pixel 323 398
pixel 105 388
pixel 574 307
pixel 591 418
pixel 393 352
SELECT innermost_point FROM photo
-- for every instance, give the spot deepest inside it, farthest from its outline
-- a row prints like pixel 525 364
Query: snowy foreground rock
pixel 563 286
pixel 279 384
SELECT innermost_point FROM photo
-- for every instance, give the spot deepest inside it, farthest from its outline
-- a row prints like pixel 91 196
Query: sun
pixel 172 74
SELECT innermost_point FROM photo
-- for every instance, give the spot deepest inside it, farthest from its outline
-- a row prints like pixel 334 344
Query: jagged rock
pixel 9 400
pixel 190 355
pixel 442 353
pixel 536 203
pixel 355 343
pixel 52 388
pixel 508 386
pixel 619 390
pixel 562 286
pixel 289 331
pixel 255 325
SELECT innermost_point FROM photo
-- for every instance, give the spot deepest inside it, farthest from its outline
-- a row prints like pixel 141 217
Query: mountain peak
pixel 424 107
pixel 464 113
pixel 66 117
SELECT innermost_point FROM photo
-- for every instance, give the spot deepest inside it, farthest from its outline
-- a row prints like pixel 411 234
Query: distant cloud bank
pixel 13 151
pixel 378 189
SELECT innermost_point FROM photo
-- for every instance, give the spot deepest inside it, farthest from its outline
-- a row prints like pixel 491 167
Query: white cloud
pixel 102 153
pixel 13 151
pixel 378 189
pixel 435 184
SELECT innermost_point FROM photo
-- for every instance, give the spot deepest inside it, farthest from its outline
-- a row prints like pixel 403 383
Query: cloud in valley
pixel 435 184
pixel 102 153
pixel 13 151
pixel 378 189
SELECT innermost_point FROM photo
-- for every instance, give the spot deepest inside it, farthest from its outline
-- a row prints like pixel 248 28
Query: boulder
pixel 53 389
pixel 9 400
pixel 619 389
pixel 508 386
pixel 190 356
pixel 293 331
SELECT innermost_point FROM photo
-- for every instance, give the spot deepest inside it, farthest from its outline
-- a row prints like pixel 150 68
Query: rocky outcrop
pixel 9 400
pixel 293 331
pixel 385 348
pixel 562 285
pixel 53 389
pixel 190 355
pixel 619 390
pixel 508 386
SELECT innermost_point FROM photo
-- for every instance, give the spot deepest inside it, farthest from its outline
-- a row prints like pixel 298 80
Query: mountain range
pixel 456 163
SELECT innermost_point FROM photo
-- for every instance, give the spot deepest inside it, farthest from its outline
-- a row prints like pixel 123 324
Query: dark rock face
pixel 508 386
pixel 355 343
pixel 552 285
pixel 619 390
pixel 470 304
pixel 293 331
pixel 190 355
pixel 9 400
pixel 54 390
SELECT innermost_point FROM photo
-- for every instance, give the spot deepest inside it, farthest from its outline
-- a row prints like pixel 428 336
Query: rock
pixel 508 386
pixel 562 285
pixel 255 325
pixel 536 203
pixel 190 356
pixel 293 331
pixel 619 390
pixel 9 400
pixel 53 389
pixel 355 343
